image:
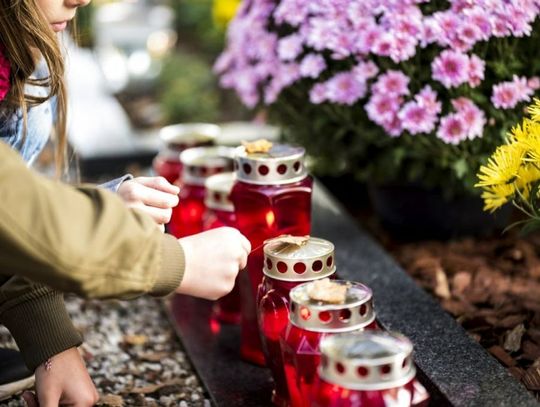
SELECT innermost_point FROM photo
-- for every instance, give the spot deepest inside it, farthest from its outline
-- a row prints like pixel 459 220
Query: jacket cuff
pixel 42 328
pixel 172 269
pixel 114 184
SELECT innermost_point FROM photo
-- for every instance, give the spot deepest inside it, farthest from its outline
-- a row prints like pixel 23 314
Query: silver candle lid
pixel 202 162
pixel 218 191
pixel 356 311
pixel 282 164
pixel 293 258
pixel 367 360
pixel 182 136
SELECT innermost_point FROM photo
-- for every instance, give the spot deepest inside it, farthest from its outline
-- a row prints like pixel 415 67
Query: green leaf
pixel 460 168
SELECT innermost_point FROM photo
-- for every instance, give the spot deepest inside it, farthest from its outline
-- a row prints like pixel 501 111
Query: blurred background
pixel 138 65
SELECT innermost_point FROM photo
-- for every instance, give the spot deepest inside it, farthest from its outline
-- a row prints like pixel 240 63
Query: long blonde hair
pixel 23 32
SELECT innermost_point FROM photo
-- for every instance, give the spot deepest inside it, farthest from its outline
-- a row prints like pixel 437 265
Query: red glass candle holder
pixel 199 164
pixel 272 197
pixel 368 369
pixel 177 138
pixel 310 321
pixel 286 265
pixel 220 212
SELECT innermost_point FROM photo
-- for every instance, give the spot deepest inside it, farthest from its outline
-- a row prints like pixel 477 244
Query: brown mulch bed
pixel 491 286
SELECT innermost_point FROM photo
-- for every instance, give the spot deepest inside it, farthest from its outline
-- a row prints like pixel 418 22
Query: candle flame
pixel 270 218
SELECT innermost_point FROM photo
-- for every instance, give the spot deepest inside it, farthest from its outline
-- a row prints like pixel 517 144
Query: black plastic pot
pixel 412 212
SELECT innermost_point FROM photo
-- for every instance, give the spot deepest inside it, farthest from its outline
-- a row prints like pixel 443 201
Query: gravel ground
pixel 132 355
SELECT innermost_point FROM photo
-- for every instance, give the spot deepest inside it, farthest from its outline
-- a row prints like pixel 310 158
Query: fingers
pixel 134 192
pixel 30 399
pixel 160 216
pixel 159 183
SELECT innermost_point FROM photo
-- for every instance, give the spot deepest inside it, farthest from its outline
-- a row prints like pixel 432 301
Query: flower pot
pixel 411 211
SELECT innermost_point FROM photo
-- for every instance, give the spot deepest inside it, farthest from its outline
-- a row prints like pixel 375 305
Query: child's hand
pixel 213 259
pixel 153 195
pixel 66 383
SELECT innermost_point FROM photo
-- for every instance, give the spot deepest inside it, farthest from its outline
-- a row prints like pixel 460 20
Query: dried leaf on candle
pixel 286 243
pixel 258 146
pixel 327 291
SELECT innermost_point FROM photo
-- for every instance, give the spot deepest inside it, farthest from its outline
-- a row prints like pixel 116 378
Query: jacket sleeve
pixel 37 318
pixel 80 240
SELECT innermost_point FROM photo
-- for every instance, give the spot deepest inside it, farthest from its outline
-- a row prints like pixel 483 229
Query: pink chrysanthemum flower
pixel 312 65
pixel 317 94
pixel 427 97
pixel 393 83
pixel 452 129
pixel 473 117
pixel 476 71
pixel 382 108
pixel 290 47
pixel 416 118
pixel 345 88
pixel 506 95
pixel 451 68
pixel 365 70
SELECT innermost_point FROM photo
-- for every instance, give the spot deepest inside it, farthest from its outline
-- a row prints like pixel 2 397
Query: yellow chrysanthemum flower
pixel 534 110
pixel 527 175
pixel 497 195
pixel 502 167
pixel 224 11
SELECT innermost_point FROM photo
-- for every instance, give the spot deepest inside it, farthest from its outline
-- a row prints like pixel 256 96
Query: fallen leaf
pixel 442 288
pixel 135 339
pixel 111 400
pixel 153 388
pixel 153 356
pixel 512 339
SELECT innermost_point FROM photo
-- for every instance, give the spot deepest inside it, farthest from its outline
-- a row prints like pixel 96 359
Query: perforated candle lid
pixel 187 135
pixel 202 162
pixel 354 312
pixel 298 258
pixel 282 164
pixel 218 190
pixel 367 360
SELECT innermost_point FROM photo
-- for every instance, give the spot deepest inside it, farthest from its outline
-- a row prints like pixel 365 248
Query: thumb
pixel 30 399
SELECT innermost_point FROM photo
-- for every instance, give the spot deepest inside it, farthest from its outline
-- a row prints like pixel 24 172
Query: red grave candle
pixel 177 138
pixel 286 265
pixel 199 164
pixel 272 197
pixel 220 212
pixel 312 320
pixel 368 369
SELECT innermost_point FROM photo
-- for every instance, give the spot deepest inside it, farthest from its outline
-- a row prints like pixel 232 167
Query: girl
pixel 32 103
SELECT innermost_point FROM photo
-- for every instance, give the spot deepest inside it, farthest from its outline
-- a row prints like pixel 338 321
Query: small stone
pixel 183 404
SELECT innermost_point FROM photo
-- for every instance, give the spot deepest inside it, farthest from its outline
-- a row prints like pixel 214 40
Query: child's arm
pixel 37 319
pixel 86 241
pixel 40 325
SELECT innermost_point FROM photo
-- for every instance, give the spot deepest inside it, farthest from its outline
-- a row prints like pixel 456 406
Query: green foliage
pixel 188 89
pixel 196 28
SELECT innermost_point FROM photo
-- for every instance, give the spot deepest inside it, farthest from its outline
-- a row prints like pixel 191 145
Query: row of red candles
pixel 270 195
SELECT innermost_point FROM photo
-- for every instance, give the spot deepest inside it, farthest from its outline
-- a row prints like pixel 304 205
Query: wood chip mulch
pixel 492 287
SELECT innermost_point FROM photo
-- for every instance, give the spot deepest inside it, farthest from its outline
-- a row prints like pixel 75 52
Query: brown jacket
pixel 84 241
